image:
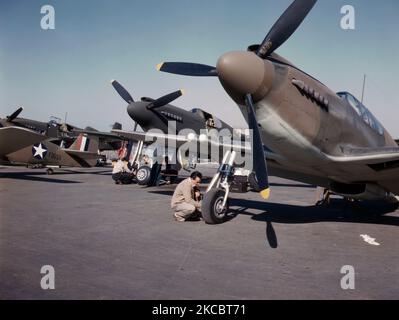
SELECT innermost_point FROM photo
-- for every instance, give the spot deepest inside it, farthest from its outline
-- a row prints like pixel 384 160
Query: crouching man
pixel 186 200
pixel 122 173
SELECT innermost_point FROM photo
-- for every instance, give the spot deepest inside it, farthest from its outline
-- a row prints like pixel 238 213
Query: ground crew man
pixel 186 200
pixel 122 172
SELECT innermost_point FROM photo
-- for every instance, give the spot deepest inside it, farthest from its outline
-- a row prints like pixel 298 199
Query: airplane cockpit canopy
pixel 210 120
pixel 362 112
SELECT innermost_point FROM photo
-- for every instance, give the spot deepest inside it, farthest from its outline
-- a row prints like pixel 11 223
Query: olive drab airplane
pixel 16 133
pixel 167 119
pixel 159 114
pixel 30 142
pixel 304 130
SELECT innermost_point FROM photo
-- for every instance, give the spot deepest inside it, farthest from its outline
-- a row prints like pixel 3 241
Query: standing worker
pixel 186 200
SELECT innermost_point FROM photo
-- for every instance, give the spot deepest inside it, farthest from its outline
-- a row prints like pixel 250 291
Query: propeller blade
pixel 122 91
pixel 160 102
pixel 259 159
pixel 15 114
pixel 188 69
pixel 285 26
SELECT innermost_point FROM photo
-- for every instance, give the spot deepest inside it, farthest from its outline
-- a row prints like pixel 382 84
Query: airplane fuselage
pixel 303 121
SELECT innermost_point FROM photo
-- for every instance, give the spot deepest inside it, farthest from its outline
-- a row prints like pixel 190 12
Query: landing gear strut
pixel 325 198
pixel 215 205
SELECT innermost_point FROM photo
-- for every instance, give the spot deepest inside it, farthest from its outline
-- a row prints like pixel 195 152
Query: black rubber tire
pixel 253 182
pixel 143 175
pixel 211 213
pixel 50 171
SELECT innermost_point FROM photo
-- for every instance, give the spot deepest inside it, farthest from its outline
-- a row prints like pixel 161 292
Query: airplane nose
pixel 131 111
pixel 137 113
pixel 244 72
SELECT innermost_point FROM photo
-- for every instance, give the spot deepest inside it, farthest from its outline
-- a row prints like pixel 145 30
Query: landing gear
pixel 143 175
pixel 325 199
pixel 50 171
pixel 215 205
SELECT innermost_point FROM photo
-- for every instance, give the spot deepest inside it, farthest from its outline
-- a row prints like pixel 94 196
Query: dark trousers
pixel 124 177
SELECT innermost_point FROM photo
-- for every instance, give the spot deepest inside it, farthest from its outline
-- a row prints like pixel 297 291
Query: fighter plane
pixel 320 137
pixel 36 143
pixel 159 114
pixel 14 135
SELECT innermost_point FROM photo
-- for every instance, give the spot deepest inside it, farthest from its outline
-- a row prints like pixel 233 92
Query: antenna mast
pixel 364 86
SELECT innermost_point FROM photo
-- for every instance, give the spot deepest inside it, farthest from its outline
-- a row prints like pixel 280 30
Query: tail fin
pixel 85 143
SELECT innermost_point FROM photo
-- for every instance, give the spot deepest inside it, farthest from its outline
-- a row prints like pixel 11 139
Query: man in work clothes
pixel 186 200
pixel 122 173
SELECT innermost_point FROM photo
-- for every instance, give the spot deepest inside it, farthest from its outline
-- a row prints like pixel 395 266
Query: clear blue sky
pixel 68 69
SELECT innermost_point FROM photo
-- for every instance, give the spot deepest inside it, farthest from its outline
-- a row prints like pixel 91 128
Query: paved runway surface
pixel 120 242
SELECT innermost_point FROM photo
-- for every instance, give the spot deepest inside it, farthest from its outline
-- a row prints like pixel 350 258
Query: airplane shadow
pixel 163 193
pixel 35 176
pixel 292 185
pixel 337 211
pixel 62 171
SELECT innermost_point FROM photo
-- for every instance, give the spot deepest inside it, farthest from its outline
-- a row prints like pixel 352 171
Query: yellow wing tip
pixel 159 66
pixel 265 193
pixel 183 91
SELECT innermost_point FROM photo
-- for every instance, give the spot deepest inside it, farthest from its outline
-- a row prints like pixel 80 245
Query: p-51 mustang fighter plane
pixel 169 120
pixel 321 137
pixel 159 113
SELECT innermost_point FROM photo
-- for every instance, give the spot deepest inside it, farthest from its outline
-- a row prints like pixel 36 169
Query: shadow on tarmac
pixel 35 176
pixel 292 185
pixel 338 211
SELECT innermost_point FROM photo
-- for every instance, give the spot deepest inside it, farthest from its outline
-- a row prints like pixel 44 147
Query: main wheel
pixel 212 210
pixel 143 175
pixel 253 182
pixel 50 171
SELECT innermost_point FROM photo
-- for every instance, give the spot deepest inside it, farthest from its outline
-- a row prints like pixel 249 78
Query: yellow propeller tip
pixel 183 92
pixel 159 66
pixel 265 194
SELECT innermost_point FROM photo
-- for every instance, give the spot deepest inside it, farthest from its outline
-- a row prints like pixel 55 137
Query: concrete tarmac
pixel 107 241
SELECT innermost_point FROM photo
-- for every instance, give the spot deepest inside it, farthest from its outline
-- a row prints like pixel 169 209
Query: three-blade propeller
pixel 281 31
pixel 160 102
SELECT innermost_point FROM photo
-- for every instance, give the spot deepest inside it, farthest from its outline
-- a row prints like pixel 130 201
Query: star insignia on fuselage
pixel 39 151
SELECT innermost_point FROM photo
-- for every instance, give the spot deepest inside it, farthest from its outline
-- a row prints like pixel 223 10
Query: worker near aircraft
pixel 186 200
pixel 122 172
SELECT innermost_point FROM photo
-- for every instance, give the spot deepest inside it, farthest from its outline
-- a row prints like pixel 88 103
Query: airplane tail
pixel 84 150
pixel 85 143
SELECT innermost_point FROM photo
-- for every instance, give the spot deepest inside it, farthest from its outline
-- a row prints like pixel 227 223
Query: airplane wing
pixel 149 138
pixel 379 165
pixel 15 138
pixel 369 156
pixel 203 142
pixel 99 134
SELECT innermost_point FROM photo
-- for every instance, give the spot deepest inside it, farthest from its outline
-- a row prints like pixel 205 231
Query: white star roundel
pixel 39 151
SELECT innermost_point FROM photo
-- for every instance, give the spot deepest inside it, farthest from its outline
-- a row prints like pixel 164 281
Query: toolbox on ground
pixel 239 184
